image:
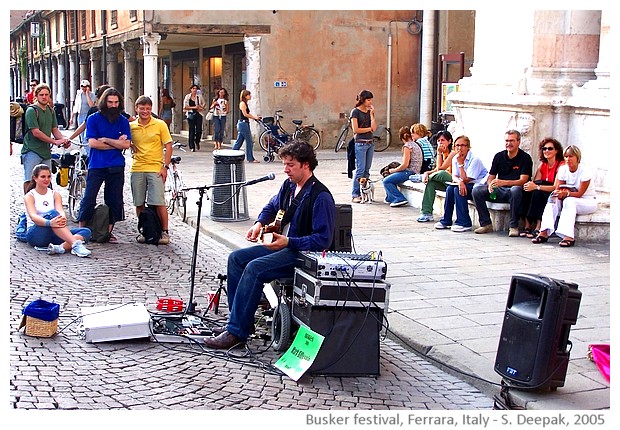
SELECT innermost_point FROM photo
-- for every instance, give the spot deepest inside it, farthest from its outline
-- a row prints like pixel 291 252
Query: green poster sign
pixel 301 354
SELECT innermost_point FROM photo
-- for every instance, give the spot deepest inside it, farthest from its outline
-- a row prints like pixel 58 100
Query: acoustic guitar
pixel 274 227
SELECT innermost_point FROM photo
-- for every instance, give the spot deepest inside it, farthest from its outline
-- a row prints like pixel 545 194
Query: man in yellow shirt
pixel 149 170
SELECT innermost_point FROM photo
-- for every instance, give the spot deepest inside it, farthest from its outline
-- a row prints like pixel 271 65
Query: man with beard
pixel 150 163
pixel 108 134
pixel 42 132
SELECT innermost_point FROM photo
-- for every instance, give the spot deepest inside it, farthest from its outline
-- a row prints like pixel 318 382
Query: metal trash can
pixel 229 203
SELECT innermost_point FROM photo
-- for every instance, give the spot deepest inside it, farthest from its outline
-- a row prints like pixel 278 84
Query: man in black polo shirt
pixel 509 171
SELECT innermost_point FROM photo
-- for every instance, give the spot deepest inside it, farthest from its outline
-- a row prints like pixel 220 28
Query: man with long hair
pixel 108 134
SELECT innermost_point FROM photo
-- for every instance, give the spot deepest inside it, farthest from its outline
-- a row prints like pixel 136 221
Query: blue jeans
pixel 114 178
pixel 219 125
pixel 248 269
pixel 363 160
pixel 453 198
pixel 244 135
pixel 42 236
pixel 512 195
pixel 390 183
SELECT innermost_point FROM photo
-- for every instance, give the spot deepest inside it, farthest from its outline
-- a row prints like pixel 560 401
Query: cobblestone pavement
pixel 65 372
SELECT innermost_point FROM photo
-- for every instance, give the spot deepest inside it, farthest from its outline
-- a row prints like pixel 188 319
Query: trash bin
pixel 228 203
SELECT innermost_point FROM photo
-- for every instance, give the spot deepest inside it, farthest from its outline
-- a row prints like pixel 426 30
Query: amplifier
pixel 352 340
pixel 308 290
pixel 343 265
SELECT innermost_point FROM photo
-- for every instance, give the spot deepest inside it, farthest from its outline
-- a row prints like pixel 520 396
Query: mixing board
pixel 343 265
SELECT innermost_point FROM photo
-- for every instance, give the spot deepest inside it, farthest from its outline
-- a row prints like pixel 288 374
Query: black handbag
pixel 191 115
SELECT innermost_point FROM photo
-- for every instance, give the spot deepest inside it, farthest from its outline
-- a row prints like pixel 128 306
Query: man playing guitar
pixel 308 211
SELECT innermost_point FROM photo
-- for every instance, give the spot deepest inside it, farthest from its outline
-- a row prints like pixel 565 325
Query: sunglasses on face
pixel 548 148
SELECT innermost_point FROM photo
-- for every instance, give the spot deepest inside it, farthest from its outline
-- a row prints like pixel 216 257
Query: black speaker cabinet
pixel 342 231
pixel 351 345
pixel 533 348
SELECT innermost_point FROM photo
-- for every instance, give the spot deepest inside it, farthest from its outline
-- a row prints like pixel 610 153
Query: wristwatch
pixel 538 187
pixel 460 165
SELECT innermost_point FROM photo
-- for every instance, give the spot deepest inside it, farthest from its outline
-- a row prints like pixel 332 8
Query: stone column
pixel 427 72
pixel 95 67
pixel 130 49
pixel 73 82
pixel 150 44
pixel 112 65
pixel 84 70
pixel 54 87
pixel 61 93
pixel 252 67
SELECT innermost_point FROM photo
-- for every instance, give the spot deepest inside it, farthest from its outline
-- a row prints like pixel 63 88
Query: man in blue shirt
pixel 309 216
pixel 108 135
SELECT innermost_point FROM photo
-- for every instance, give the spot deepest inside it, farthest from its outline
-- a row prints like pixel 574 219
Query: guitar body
pixel 275 227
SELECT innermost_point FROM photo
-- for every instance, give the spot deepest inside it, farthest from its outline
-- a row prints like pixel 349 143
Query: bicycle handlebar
pixel 78 143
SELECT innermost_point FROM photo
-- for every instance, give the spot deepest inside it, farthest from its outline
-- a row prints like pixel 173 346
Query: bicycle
pixel 382 136
pixel 274 136
pixel 176 196
pixel 77 163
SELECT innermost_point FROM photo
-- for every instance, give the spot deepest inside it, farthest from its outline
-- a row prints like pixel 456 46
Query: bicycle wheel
pixel 76 193
pixel 382 138
pixel 342 138
pixel 180 199
pixel 309 135
pixel 169 192
pixel 267 141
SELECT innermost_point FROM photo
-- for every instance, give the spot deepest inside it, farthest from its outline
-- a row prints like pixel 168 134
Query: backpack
pixel 18 126
pixel 99 224
pixel 149 225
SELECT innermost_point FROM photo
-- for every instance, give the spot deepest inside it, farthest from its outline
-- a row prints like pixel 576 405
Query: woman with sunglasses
pixel 467 172
pixel 573 195
pixel 537 190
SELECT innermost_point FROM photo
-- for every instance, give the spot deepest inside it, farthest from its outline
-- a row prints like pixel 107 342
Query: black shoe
pixel 197 146
pixel 193 149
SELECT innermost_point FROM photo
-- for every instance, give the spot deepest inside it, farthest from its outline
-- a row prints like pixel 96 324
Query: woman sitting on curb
pixel 467 171
pixel 410 164
pixel 420 135
pixel 538 190
pixel 436 179
pixel 574 195
pixel 47 223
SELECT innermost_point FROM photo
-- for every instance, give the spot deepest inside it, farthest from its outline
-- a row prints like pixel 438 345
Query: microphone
pixel 269 177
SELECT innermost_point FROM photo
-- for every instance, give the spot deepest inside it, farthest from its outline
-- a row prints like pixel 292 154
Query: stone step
pixel 592 227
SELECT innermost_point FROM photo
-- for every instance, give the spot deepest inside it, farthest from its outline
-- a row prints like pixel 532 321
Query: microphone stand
pixel 191 306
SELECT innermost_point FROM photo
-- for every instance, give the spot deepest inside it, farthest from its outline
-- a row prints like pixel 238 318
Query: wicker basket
pixel 40 328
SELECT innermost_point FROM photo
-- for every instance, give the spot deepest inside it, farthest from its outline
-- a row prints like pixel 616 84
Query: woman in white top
pixel 220 108
pixel 193 105
pixel 574 195
pixel 47 223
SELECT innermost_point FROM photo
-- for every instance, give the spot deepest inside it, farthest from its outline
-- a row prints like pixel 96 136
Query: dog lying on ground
pixel 367 189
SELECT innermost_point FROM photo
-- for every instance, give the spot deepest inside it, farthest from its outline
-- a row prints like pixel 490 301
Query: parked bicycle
pixel 382 136
pixel 71 167
pixel 274 136
pixel 176 196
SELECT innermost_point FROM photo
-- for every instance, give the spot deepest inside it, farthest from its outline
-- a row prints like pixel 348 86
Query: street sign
pixel 34 29
pixel 279 84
